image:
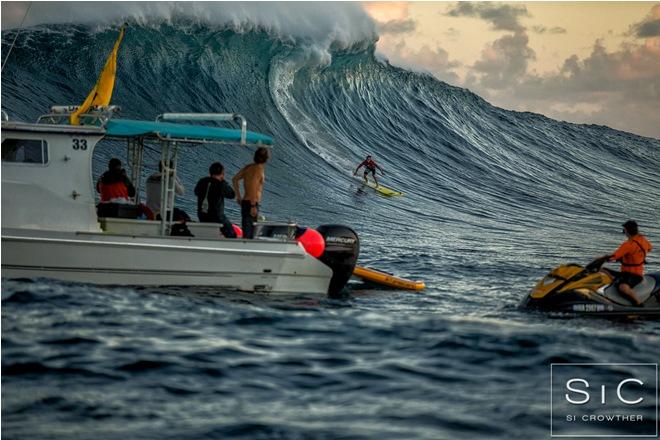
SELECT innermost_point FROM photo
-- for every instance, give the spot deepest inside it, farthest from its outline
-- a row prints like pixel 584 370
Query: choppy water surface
pixel 493 200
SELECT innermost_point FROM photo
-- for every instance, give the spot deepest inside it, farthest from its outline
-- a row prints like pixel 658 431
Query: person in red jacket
pixel 632 255
pixel 114 186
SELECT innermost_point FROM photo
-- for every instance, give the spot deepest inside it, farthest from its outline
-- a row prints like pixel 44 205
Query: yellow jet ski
pixel 586 290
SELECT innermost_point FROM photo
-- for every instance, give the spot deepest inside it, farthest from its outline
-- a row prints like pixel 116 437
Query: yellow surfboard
pixel 381 189
pixel 386 279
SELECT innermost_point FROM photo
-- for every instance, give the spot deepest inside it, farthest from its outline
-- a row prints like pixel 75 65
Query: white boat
pixel 50 226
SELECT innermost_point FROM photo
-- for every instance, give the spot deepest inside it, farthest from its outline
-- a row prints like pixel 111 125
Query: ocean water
pixel 493 200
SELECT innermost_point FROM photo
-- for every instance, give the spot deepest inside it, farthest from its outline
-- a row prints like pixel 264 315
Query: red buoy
pixel 238 231
pixel 312 241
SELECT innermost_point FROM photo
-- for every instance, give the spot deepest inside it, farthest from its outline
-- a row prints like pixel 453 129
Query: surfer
pixel 253 176
pixel 369 167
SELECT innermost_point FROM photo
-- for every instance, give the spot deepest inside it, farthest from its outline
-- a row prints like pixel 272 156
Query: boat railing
pixel 5 116
pixel 208 117
pixel 61 114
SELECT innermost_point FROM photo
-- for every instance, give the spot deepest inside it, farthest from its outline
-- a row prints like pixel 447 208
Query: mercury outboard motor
pixel 342 247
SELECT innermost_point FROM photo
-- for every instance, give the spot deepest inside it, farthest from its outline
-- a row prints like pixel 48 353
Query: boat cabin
pixel 47 167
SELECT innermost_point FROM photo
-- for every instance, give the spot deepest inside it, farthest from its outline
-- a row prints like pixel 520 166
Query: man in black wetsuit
pixel 211 193
pixel 369 167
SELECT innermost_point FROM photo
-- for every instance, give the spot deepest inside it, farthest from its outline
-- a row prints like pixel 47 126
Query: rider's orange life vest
pixel 632 253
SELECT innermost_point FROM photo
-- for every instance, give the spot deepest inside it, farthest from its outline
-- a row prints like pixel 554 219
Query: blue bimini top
pixel 181 132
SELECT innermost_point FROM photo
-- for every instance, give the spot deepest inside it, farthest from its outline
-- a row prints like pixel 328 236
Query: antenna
pixel 20 26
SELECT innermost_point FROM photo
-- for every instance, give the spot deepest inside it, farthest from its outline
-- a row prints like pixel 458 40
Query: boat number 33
pixel 79 144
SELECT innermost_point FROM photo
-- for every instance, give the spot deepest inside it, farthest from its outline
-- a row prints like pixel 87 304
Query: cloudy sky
pixel 585 62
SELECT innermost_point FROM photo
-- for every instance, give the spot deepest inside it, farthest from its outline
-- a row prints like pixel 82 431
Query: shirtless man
pixel 253 176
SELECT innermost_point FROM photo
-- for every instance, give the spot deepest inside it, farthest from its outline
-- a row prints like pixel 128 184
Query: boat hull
pixel 245 265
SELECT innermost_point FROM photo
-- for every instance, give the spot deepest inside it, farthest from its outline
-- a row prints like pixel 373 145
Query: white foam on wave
pixel 342 24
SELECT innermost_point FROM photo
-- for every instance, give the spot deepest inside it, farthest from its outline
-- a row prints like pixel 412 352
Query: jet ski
pixel 587 290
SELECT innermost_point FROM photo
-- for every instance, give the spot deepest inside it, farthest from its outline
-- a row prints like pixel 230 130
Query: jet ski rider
pixel 632 255
pixel 369 167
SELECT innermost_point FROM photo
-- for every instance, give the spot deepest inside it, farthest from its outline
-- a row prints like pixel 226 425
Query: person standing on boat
pixel 369 167
pixel 632 255
pixel 253 177
pixel 211 193
pixel 114 186
pixel 154 195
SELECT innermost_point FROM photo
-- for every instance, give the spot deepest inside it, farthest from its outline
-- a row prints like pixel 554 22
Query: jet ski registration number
pixel 588 307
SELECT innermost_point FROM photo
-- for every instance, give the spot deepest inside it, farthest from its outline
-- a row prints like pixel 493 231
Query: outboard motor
pixel 342 247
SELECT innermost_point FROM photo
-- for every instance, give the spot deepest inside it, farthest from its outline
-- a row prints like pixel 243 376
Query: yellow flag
pixel 102 91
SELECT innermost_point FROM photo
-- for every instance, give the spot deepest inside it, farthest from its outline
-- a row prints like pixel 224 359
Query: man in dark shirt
pixel 211 193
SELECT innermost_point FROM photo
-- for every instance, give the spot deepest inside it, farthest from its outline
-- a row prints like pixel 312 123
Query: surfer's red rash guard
pixel 369 164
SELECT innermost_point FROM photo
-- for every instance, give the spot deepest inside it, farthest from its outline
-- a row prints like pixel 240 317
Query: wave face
pixel 493 198
pixel 444 145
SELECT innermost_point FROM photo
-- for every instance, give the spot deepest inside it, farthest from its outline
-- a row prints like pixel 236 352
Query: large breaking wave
pixel 328 101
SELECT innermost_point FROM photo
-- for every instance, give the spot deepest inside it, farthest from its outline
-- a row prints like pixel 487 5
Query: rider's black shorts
pixel 628 278
pixel 369 170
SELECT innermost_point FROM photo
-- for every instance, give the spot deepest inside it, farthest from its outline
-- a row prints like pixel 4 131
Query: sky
pixel 584 62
